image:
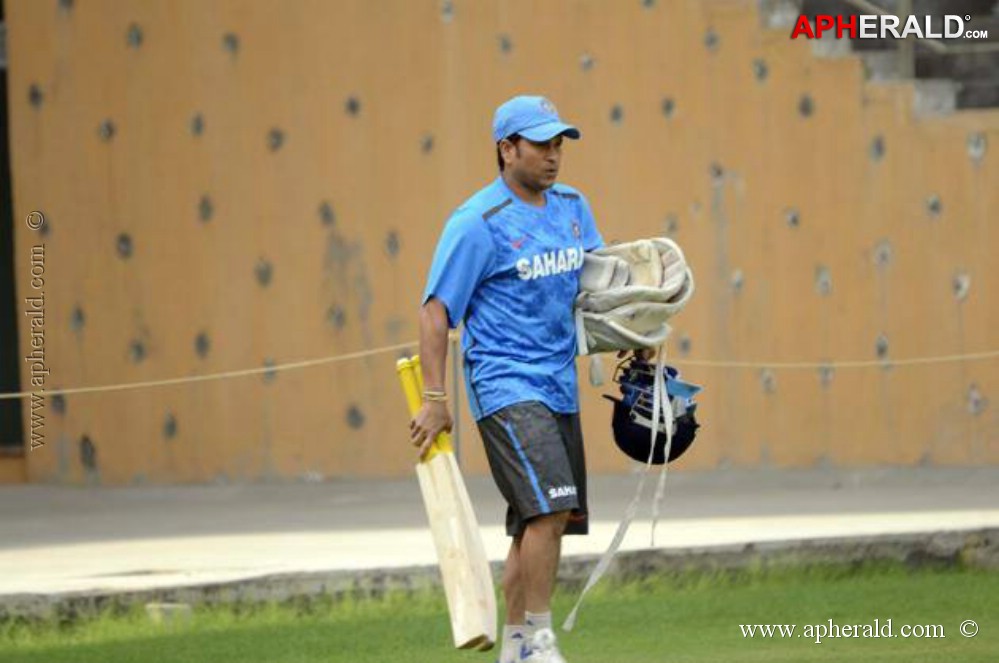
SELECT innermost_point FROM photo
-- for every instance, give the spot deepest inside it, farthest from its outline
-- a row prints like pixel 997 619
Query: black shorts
pixel 536 457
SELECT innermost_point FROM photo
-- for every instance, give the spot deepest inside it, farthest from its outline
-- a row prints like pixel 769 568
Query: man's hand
pixel 432 418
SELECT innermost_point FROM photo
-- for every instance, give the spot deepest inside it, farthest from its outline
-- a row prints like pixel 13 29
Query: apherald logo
pixel 873 26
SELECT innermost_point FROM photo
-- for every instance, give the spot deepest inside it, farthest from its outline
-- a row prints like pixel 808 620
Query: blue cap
pixel 534 118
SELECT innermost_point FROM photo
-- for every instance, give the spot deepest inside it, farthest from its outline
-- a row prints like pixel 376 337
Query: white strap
pixel 597 377
pixel 658 397
pixel 582 348
pixel 661 486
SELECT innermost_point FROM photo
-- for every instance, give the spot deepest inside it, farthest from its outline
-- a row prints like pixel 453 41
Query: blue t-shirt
pixel 510 271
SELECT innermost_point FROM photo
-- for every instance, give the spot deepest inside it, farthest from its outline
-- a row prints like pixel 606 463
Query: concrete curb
pixel 978 548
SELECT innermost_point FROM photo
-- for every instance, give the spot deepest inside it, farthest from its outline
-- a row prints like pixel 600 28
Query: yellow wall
pixel 423 78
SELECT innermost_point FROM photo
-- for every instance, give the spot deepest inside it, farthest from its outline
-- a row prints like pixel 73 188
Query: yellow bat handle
pixel 404 367
pixel 412 380
pixel 417 371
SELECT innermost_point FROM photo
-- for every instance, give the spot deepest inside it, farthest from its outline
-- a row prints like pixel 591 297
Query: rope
pixel 914 361
pixel 309 363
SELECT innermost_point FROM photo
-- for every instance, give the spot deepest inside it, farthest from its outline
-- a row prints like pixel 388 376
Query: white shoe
pixel 513 653
pixel 542 649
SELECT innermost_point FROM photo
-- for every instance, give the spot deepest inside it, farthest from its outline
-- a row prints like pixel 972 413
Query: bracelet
pixel 435 396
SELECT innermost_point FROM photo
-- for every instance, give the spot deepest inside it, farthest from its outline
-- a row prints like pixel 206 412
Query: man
pixel 507 264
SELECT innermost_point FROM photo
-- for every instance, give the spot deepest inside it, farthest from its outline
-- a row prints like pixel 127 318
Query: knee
pixel 551 524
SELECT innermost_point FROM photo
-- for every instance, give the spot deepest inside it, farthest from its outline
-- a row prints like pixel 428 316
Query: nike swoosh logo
pixel 517 243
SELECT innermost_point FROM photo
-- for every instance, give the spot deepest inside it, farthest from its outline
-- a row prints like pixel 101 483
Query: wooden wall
pixel 231 183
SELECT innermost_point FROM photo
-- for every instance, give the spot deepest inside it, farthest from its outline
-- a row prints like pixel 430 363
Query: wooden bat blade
pixel 465 572
pixel 477 553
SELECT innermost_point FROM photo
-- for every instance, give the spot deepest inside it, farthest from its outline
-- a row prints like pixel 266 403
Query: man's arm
pixel 434 416
pixel 433 343
pixel 461 261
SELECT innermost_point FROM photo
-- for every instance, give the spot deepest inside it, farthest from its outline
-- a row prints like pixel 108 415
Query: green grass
pixel 684 617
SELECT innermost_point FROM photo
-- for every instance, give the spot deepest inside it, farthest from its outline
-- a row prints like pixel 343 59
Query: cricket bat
pixel 467 579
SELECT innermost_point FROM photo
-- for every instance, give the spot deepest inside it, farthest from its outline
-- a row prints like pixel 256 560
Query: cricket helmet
pixel 632 419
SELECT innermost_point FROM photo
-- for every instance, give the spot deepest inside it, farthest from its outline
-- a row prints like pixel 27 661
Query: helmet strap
pixel 660 406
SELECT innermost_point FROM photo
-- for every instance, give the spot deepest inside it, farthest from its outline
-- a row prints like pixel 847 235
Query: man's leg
pixel 538 560
pixel 529 460
pixel 513 586
pixel 513 594
pixel 530 570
